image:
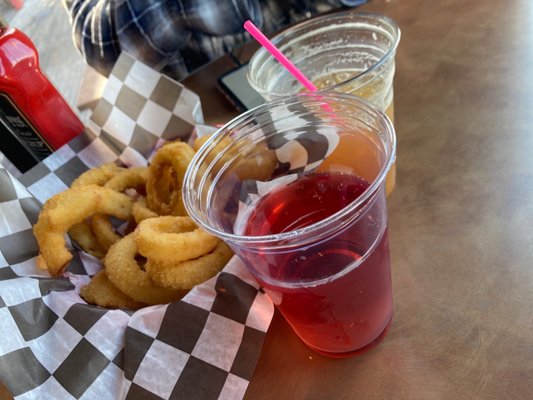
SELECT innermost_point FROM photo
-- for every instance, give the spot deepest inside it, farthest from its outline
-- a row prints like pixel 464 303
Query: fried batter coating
pixel 126 274
pixel 83 233
pixel 187 274
pixel 67 209
pixel 98 175
pixel 170 238
pixel 101 292
pixel 165 178
pixel 129 178
pixel 140 210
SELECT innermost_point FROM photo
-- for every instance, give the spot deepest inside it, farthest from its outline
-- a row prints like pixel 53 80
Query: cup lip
pixel 262 52
pixel 354 208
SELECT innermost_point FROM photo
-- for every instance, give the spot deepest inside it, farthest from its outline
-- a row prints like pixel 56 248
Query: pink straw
pixel 267 44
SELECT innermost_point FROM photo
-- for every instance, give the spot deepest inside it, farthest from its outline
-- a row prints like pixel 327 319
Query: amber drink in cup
pixel 349 52
pixel 308 220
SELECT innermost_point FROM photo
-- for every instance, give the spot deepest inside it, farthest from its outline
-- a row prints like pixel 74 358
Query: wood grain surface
pixel 461 220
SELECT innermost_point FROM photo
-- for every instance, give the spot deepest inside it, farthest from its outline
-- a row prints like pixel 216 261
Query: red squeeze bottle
pixel 35 119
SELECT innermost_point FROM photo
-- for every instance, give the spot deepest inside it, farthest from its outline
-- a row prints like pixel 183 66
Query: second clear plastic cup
pixel 349 52
pixel 307 219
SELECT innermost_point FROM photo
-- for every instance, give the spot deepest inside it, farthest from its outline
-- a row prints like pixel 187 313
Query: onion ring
pixel 125 273
pixel 84 236
pixel 97 176
pixel 67 209
pixel 165 178
pixel 258 166
pixel 250 160
pixel 101 292
pixel 185 275
pixel 140 210
pixel 129 178
pixel 169 238
pixel 104 230
pixel 199 142
pixel 83 233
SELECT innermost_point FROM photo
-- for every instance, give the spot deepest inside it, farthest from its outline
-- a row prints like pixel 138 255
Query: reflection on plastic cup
pixel 349 52
pixel 308 219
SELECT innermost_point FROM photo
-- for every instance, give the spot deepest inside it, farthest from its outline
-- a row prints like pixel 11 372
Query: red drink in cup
pixel 345 308
pixel 296 188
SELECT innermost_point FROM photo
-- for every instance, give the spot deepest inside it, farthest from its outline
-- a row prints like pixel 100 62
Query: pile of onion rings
pixel 134 221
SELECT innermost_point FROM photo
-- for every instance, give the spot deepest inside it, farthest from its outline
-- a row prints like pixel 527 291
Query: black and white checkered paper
pixel 54 345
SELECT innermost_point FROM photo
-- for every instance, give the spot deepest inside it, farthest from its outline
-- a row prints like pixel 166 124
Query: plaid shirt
pixel 178 36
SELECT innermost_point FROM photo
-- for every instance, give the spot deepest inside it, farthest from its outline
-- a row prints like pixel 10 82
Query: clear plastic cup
pixel 349 52
pixel 308 220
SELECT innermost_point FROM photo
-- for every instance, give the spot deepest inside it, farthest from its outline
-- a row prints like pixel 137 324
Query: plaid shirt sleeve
pixel 178 36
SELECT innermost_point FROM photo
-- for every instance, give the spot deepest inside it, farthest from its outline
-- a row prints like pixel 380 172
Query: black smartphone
pixel 234 85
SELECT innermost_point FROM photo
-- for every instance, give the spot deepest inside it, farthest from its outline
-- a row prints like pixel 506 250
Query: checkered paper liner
pixel 54 345
pixel 298 151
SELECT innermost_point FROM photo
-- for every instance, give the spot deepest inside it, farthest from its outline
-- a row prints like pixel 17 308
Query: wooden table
pixel 461 217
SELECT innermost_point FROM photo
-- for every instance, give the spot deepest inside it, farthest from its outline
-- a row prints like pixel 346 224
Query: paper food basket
pixel 55 346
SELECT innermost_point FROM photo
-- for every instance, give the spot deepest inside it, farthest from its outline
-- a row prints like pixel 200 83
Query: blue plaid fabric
pixel 178 36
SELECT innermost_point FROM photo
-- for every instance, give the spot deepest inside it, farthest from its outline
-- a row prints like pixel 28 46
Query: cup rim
pixel 353 209
pixel 294 29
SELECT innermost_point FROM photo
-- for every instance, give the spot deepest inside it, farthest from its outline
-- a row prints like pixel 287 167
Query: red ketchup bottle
pixel 35 119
